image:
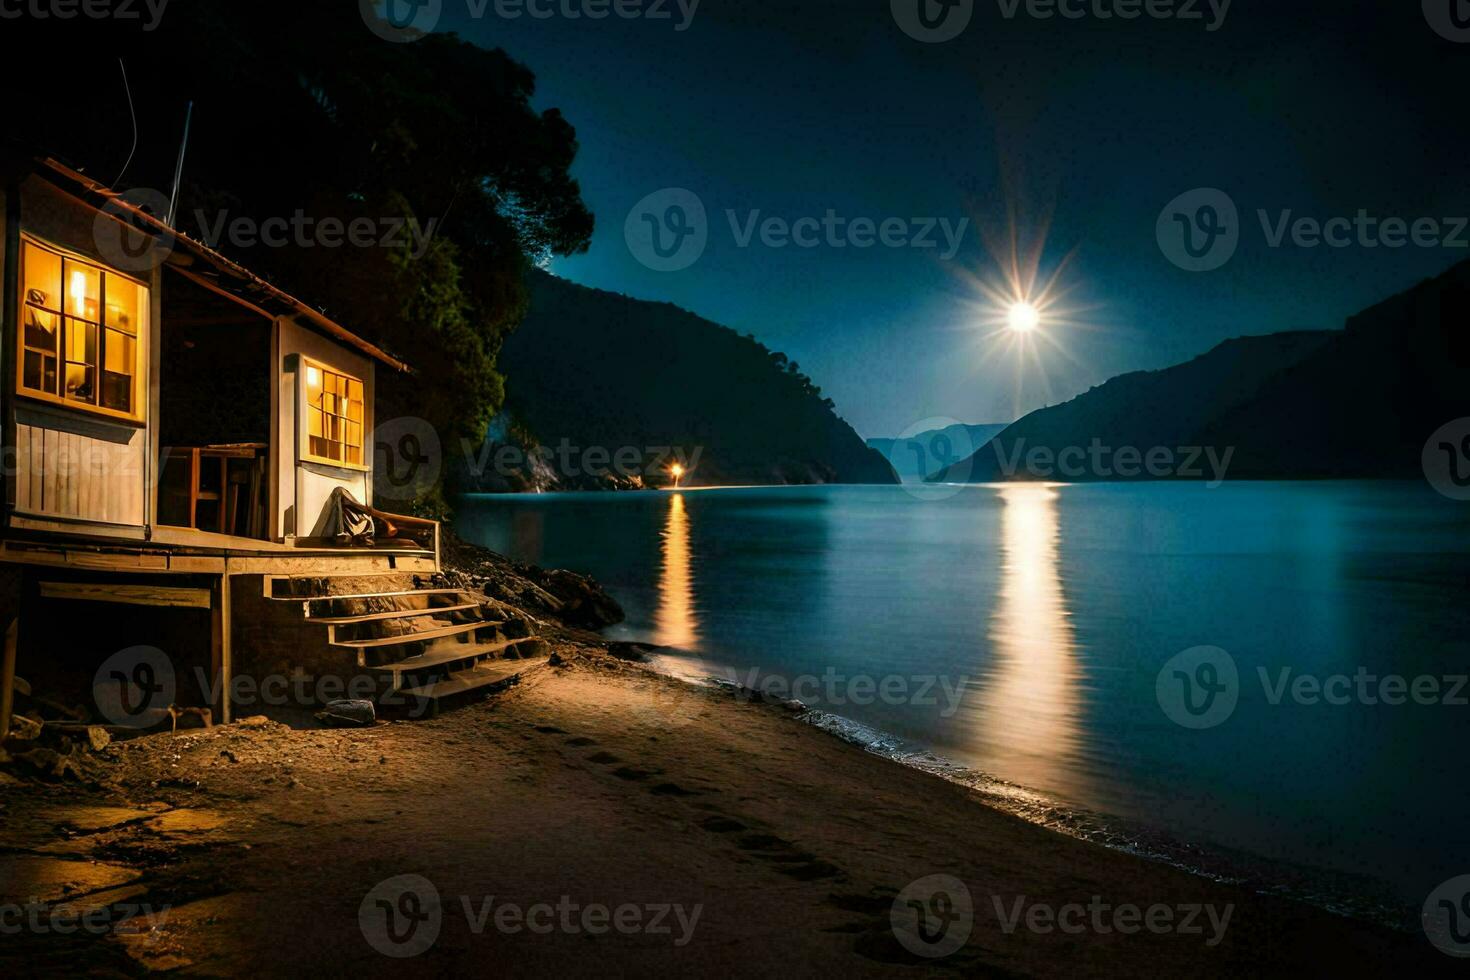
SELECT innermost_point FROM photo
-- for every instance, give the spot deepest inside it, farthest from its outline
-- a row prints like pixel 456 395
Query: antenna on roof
pixel 131 112
pixel 173 198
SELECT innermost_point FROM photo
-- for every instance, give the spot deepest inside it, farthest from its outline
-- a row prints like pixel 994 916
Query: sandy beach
pixel 599 818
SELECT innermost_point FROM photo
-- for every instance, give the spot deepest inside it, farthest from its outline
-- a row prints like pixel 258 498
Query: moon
pixel 1023 317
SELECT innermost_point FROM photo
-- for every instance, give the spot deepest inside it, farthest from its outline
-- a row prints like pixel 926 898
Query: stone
pixel 49 762
pixel 633 652
pixel 98 737
pixel 584 601
pixel 253 721
pixel 532 649
pixel 348 712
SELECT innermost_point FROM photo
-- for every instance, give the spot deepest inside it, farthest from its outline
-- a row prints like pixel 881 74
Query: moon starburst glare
pixel 1020 309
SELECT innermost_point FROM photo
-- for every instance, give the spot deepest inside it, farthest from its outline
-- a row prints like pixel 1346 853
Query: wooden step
pixel 373 595
pixel 316 613
pixel 392 641
pixel 391 614
pixel 445 655
pixel 269 582
pixel 489 673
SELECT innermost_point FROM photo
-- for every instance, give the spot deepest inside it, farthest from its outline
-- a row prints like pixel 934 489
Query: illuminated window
pixel 79 336
pixel 334 411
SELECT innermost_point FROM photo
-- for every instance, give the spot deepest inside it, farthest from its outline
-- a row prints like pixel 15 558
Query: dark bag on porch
pixel 358 524
pixel 351 522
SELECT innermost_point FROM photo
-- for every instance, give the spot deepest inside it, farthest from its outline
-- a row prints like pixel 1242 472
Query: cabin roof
pixel 236 280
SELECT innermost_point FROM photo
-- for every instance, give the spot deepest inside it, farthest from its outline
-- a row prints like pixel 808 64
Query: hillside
pixel 593 374
pixel 1353 403
pixel 919 456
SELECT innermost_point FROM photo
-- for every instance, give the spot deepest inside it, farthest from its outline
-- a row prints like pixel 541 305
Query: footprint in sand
pixel 672 789
pixel 631 774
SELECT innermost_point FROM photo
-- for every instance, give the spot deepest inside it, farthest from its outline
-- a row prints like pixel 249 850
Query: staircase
pixel 425 644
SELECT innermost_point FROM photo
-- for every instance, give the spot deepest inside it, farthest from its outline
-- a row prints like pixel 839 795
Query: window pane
pixel 83 285
pixel 43 277
pixel 40 372
pixel 326 448
pixel 81 341
pixel 40 329
pixel 119 353
pixel 117 391
pixel 124 304
pixel 79 382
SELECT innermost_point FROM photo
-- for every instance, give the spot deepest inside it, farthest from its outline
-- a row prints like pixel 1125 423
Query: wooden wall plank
pixel 137 595
pixel 50 440
pixel 38 468
pixel 23 464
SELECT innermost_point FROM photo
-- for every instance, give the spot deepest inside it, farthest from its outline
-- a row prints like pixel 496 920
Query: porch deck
pixel 46 541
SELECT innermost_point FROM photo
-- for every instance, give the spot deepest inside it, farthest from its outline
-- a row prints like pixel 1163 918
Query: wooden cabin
pixel 175 429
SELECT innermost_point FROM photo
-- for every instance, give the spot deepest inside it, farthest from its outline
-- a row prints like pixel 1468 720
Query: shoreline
pixel 1212 862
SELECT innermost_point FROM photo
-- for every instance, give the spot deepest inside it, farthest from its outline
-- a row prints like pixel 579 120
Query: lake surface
pixel 1021 631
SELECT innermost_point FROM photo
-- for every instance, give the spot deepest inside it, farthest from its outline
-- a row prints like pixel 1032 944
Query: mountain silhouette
pixel 593 368
pixel 1352 403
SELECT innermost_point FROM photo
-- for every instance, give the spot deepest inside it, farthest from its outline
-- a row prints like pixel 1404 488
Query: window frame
pixel 305 408
pixel 141 337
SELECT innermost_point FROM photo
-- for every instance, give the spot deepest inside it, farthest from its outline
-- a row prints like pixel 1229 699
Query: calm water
pixel 1050 612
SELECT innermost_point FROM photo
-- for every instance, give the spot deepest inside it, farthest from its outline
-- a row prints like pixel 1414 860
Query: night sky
pixel 1086 127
